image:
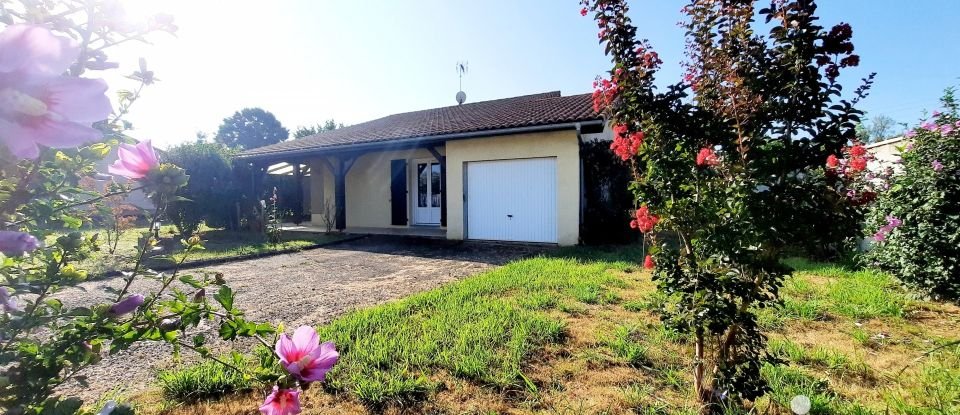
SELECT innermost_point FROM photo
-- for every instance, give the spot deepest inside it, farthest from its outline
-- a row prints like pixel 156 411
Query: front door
pixel 427 203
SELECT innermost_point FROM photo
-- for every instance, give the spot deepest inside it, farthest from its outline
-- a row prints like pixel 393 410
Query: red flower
pixel 645 221
pixel 858 151
pixel 583 11
pixel 858 164
pixel 707 157
pixel 603 94
pixel 648 262
pixel 619 131
pixel 832 161
pixel 623 145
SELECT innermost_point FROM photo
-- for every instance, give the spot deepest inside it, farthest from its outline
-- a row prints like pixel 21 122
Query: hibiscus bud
pixel 170 324
pixel 200 296
pixel 165 179
pixel 193 240
pixel 17 243
pixel 218 279
pixel 126 305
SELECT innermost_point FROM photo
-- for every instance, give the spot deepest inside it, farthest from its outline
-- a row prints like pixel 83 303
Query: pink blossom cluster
pixel 892 223
pixel 626 144
pixel 707 157
pixel 851 171
pixel 934 127
pixel 604 92
pixel 643 220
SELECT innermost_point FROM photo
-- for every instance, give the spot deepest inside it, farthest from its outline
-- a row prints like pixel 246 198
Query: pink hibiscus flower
pixel 281 402
pixel 304 357
pixel 38 104
pixel 134 161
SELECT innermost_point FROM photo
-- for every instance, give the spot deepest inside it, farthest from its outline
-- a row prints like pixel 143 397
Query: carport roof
pixel 501 114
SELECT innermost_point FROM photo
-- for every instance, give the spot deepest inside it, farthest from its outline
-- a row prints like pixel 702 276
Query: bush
pixel 606 216
pixel 915 225
pixel 212 192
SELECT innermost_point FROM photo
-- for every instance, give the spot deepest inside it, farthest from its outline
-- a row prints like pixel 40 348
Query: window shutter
pixel 398 192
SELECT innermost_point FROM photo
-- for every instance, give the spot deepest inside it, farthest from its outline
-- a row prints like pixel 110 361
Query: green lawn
pixel 574 333
pixel 218 244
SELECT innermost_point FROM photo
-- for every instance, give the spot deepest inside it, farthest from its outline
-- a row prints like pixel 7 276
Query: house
pixel 888 150
pixel 504 170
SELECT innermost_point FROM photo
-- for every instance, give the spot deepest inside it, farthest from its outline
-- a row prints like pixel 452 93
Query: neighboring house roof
pixel 508 113
pixel 887 150
pixel 890 141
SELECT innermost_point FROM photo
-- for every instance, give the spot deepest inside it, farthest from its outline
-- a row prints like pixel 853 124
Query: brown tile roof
pixel 527 110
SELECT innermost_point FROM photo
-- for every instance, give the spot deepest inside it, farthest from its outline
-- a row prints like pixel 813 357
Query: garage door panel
pixel 512 200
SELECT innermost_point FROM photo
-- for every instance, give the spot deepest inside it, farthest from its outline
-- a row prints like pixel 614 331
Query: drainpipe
pixel 582 184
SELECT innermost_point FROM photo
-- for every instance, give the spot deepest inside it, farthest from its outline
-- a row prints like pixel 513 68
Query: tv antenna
pixel 462 68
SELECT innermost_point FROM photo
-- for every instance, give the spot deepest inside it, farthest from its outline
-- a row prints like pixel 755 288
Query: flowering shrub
pixel 54 126
pixel 272 219
pixel 724 164
pixel 915 225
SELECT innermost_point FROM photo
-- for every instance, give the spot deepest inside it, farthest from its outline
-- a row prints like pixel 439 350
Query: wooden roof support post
pixel 298 176
pixel 340 192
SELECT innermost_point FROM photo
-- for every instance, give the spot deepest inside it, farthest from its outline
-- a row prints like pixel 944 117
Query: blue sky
pixel 307 61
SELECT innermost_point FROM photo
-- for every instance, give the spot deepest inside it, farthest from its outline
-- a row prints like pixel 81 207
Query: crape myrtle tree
pixel 723 164
pixel 56 122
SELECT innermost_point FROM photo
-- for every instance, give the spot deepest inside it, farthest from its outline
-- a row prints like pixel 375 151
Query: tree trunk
pixel 701 389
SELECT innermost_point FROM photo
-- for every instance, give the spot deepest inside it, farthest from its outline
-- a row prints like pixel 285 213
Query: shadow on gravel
pixel 492 253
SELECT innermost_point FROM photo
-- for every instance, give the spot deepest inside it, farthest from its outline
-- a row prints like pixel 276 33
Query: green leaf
pixel 228 330
pixel 225 297
pixel 191 281
pixel 71 222
pixel 54 304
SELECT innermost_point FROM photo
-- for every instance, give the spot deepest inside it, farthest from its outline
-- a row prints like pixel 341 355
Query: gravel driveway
pixel 309 287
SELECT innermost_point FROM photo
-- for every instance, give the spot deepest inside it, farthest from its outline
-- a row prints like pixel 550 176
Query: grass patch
pixel 626 347
pixel 577 333
pixel 203 381
pixel 483 329
pixel 935 389
pixel 832 360
pixel 218 244
pixel 859 294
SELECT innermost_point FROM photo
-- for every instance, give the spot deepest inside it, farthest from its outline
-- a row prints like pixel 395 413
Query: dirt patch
pixel 310 287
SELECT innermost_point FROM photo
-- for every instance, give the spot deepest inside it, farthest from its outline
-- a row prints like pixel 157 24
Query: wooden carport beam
pixel 339 172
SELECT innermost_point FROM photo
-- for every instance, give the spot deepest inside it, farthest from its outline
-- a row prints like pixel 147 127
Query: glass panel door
pixel 428 197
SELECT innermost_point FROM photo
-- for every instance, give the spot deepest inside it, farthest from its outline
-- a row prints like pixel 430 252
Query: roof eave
pixel 413 142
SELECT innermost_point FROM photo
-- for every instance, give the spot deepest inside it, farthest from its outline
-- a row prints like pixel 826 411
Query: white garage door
pixel 512 200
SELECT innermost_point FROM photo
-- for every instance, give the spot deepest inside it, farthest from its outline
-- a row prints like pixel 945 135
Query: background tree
pixel 211 194
pixel 878 128
pixel 723 165
pixel 328 125
pixel 251 128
